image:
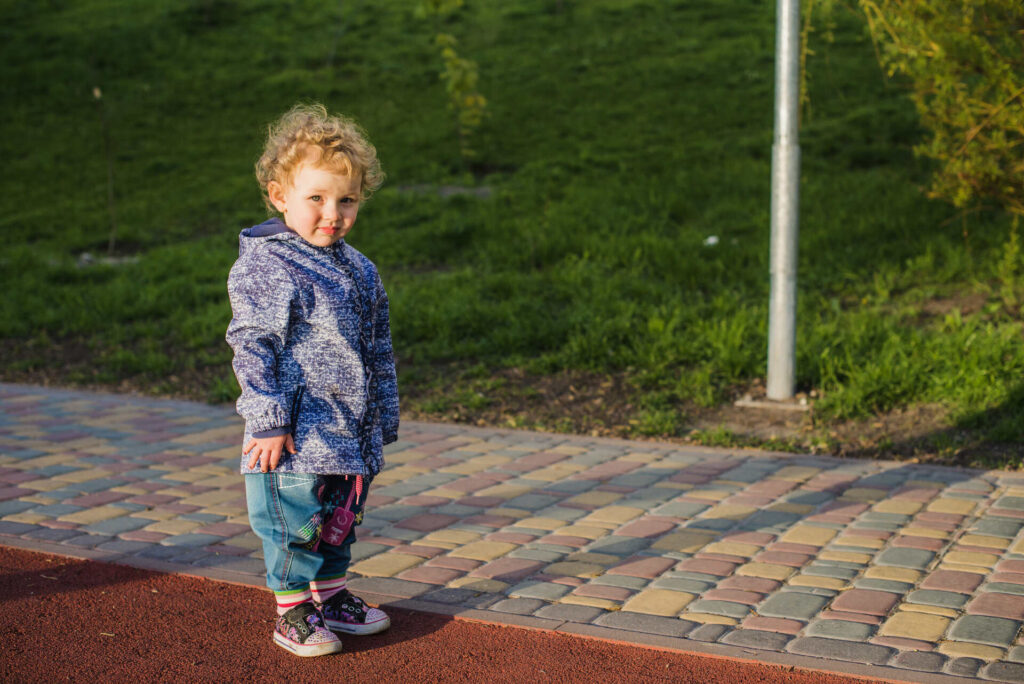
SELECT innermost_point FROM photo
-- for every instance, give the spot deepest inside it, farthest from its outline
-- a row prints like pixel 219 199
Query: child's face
pixel 320 204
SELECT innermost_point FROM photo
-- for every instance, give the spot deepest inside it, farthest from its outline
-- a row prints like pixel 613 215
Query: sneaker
pixel 301 630
pixel 346 613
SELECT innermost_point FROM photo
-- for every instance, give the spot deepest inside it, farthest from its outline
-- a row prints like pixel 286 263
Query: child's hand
pixel 268 451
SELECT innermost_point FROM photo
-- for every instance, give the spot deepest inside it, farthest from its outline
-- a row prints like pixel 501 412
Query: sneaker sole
pixel 360 630
pixel 307 650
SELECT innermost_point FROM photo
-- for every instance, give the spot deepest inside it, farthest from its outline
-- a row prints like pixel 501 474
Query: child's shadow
pixel 406 625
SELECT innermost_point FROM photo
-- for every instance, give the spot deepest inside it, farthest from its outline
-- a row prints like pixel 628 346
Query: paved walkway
pixel 877 568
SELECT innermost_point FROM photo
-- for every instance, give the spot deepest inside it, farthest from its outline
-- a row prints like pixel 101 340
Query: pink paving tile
pixel 761 585
pixel 1006 513
pixel 176 508
pixel 615 489
pixel 430 575
pixel 847 508
pixel 7 493
pixel 564 540
pixel 645 527
pixel 424 500
pixel 937 525
pixel 647 567
pixel 602 591
pixel 794 560
pixel 495 521
pixel 508 569
pixel 684 477
pixel 831 518
pixel 903 644
pixel 144 536
pixel 865 601
pixel 912 542
pixel 510 537
pixel 151 499
pixel 150 486
pixel 427 522
pixel 223 529
pixel 974 549
pixel 870 534
pixel 375 500
pixel 481 501
pixel 1009 606
pixel 850 617
pixel 748 500
pixel 570 581
pixel 719 568
pixel 421 551
pixel 728 558
pixel 534 461
pixel 97 498
pixel 608 470
pixel 385 541
pixel 15 476
pixel 1008 577
pixel 59 525
pixel 915 493
pixel 462 564
pixel 1010 566
pixel 769 624
pixel 755 538
pixel 931 516
pixel 790 547
pixel 735 595
pixel 952 580
pixel 435 462
pixel 470 484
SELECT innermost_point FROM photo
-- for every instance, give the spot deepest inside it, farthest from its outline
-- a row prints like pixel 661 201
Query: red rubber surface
pixel 64 619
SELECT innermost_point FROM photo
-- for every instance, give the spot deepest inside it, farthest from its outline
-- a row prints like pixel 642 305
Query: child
pixel 313 357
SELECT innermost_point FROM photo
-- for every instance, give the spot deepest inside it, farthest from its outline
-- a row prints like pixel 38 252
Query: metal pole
pixel 785 204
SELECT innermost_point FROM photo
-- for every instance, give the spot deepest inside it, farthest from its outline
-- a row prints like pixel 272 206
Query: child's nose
pixel 330 212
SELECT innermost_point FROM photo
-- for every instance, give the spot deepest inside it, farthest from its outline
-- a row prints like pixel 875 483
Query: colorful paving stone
pixel 918 567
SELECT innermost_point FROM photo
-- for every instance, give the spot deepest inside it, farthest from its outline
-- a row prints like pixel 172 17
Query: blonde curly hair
pixel 308 134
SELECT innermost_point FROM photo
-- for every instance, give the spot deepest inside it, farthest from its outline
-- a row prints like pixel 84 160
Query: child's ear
pixel 275 191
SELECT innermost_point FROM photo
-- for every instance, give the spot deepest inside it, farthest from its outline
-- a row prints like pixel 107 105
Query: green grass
pixel 620 135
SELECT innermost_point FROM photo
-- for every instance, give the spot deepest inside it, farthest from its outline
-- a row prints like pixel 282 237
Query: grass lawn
pixel 578 290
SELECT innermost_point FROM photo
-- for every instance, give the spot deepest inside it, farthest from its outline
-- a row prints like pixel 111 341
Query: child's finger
pixel 289 444
pixel 254 459
pixel 275 458
pixel 248 447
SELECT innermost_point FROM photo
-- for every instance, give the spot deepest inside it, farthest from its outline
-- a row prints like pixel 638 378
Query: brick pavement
pixel 912 567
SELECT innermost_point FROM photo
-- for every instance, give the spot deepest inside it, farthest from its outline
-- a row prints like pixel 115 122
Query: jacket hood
pixel 250 237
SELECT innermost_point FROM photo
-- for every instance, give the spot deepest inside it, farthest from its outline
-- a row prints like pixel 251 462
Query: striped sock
pixel 324 589
pixel 286 600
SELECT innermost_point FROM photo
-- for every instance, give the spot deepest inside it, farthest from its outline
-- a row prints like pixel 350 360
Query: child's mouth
pixel 329 230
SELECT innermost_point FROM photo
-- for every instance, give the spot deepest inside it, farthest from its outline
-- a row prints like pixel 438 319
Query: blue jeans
pixel 287 511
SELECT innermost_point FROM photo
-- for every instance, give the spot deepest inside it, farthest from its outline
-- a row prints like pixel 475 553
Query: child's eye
pixel 348 200
pixel 315 198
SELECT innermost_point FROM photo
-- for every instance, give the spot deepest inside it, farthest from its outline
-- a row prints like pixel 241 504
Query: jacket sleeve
pixel 384 367
pixel 261 293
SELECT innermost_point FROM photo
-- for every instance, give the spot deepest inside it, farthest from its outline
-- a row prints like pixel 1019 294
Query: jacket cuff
pixel 389 437
pixel 273 432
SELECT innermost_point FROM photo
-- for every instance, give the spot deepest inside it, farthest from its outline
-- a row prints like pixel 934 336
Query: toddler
pixel 312 354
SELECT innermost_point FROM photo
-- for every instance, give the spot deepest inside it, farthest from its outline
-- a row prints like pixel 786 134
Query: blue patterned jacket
pixel 313 354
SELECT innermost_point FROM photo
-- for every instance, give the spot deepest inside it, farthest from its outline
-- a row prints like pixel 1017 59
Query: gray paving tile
pixel 569 613
pixel 841 650
pixel 840 629
pixel 920 661
pixel 792 604
pixel 649 624
pixel 519 606
pixel 931 597
pixel 709 633
pixel 754 638
pixel 905 558
pixel 547 591
pixel 115 526
pixel 1004 672
pixel 980 629
pixel 191 540
pixel 964 667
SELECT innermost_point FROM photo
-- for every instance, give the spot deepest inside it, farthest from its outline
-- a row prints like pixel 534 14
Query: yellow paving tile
pixel 985 541
pixel 517 513
pixel 441 491
pixel 174 526
pixel 898 506
pixel 574 569
pixel 963 649
pixel 815 581
pixel 857 541
pixel 926 484
pixel 729 512
pixel 505 491
pixel 710 494
pixel 709 619
pixel 82 475
pixel 491 586
pixel 386 564
pixel 129 489
pixel 845 556
pixel 30 518
pixel 540 523
pixel 585 531
pixel 733 548
pixel 47 485
pixel 603 604
pixel 864 494
pixel 640 457
pixel 962 567
pixel 94 515
pixel 894 574
pixel 917 531
pixel 483 550
pixel 558 471
pixel 766 570
pixel 213 435
pixel 658 602
pixel 154 515
pixel 808 534
pixel 619 515
pixel 931 610
pixel 983 560
pixel 595 498
pixel 226 452
pixel 909 625
pixel 189 476
pixel 403 457
pixel 951 505
pixel 795 473
pixel 588 557
pixel 245 541
pixel 475 465
pixel 685 541
pixel 1018 546
pixel 568 449
pixel 39 499
pixel 451 536
pixel 217 496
